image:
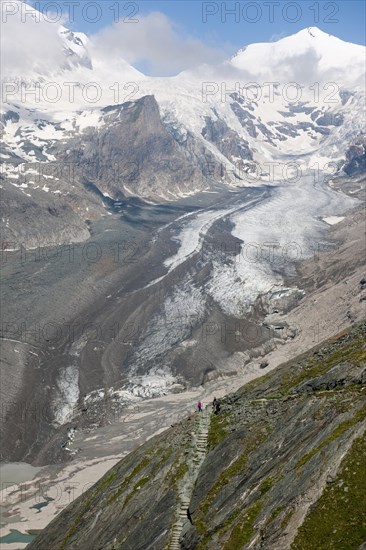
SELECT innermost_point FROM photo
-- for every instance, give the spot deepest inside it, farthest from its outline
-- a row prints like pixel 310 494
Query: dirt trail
pixel 194 462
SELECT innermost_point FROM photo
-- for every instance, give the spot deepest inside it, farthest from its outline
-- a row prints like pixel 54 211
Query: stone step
pixel 196 456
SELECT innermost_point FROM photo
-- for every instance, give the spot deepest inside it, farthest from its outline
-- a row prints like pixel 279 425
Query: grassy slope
pixel 338 520
pixel 339 411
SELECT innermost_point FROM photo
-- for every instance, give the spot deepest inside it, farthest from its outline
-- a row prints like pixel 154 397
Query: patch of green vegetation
pixel 338 520
pixel 286 519
pixel 218 429
pixel 222 529
pixel 136 488
pixel 253 384
pixel 86 506
pixel 167 454
pixel 144 480
pixel 254 439
pixel 335 403
pixel 176 474
pixel 276 512
pixel 345 389
pixel 244 529
pixel 200 525
pixel 225 477
pixel 144 462
pixel 266 485
pixel 353 353
pixel 344 426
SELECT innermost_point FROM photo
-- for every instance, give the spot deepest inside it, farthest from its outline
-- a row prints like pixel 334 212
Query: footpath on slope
pixel 194 462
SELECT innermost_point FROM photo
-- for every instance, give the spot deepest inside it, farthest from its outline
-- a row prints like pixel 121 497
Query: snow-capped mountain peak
pixel 307 103
pixel 74 44
pixel 309 55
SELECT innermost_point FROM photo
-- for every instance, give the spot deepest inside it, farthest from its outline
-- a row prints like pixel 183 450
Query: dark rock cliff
pixel 355 164
pixel 133 151
pixel 284 468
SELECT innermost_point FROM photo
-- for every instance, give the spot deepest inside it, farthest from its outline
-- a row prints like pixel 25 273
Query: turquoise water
pixel 16 536
pixel 13 473
pixel 43 504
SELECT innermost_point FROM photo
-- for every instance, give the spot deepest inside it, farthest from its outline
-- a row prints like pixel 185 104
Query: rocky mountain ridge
pixel 164 139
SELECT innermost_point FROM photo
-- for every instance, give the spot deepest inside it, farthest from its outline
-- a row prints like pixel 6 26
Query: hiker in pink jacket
pixel 199 405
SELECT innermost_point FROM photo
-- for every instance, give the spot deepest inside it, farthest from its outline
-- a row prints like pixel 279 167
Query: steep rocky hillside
pixel 281 466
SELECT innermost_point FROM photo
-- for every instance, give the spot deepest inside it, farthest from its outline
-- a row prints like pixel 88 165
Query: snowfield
pixel 274 96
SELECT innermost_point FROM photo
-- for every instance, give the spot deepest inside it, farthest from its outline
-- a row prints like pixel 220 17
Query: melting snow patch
pixel 332 220
pixel 67 395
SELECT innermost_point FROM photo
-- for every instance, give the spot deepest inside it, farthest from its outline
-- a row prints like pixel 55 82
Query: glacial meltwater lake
pixel 13 473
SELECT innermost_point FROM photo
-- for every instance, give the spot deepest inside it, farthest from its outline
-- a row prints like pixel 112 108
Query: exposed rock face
pixel 285 467
pixel 9 116
pixel 228 142
pixel 355 164
pixel 131 152
pixel 42 220
pixel 134 152
pixel 245 118
pixel 145 148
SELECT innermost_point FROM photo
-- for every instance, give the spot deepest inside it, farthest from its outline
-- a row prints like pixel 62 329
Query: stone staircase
pixel 194 462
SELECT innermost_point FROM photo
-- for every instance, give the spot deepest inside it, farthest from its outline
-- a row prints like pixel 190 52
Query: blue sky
pixel 165 37
pixel 254 21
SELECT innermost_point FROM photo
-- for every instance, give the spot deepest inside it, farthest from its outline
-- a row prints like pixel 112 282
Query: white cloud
pixel 155 44
pixel 29 43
